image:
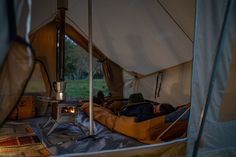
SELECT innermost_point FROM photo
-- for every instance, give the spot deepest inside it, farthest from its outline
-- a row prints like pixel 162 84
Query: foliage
pixel 77 62
pixel 77 72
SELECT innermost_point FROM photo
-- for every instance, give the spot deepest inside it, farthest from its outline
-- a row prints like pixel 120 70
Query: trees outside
pixel 77 62
pixel 77 71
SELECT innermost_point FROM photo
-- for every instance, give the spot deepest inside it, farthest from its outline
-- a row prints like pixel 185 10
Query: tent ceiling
pixel 183 12
pixel 138 35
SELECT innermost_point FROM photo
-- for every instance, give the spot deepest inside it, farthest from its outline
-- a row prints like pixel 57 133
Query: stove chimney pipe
pixel 62 6
pixel 60 84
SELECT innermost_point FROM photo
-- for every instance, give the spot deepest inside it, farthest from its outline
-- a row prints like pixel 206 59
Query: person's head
pixel 100 95
pixel 163 108
pixel 99 99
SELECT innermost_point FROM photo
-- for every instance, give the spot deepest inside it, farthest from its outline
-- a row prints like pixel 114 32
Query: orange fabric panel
pixel 113 73
pixel 44 43
pixel 146 131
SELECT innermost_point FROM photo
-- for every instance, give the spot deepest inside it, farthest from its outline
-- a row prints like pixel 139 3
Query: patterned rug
pixel 19 139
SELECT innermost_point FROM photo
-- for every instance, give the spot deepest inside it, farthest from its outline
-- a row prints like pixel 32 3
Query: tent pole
pixel 90 68
pixel 211 85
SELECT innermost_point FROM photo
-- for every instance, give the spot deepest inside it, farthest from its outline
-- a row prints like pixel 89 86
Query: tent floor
pixel 69 138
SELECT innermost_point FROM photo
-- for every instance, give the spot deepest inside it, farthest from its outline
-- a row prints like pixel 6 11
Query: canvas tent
pixel 142 42
pixel 112 43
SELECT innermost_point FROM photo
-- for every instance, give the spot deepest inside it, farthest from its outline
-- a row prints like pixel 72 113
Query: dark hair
pixel 100 95
pixel 99 99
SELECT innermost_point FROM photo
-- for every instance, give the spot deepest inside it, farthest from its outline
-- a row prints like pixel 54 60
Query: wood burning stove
pixel 62 112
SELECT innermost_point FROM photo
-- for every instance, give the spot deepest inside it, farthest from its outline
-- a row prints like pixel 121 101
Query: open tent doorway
pixel 77 72
pixel 144 47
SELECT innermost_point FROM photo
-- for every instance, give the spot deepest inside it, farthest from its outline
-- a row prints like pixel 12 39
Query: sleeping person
pixel 142 110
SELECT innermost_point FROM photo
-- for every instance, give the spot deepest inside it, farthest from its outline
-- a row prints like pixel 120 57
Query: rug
pixel 19 139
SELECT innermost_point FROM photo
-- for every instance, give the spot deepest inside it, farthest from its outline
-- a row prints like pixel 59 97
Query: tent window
pixel 77 72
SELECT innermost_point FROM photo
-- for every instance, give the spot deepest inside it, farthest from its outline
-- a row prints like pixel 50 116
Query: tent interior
pixel 180 53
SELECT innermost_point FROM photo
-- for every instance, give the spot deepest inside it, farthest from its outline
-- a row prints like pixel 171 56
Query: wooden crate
pixel 25 108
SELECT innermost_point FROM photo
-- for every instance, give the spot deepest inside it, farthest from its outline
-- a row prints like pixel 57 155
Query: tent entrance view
pixel 180 53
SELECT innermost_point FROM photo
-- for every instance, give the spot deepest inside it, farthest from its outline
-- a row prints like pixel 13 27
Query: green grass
pixel 80 88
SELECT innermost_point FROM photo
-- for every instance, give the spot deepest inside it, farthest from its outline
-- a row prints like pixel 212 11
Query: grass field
pixel 74 88
pixel 80 88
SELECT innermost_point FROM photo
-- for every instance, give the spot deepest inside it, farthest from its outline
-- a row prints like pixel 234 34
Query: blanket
pixel 19 139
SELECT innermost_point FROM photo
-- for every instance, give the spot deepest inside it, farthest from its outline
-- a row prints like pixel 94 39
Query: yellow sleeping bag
pixel 146 131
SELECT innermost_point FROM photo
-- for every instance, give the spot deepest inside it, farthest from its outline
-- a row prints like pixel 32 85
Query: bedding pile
pixel 147 131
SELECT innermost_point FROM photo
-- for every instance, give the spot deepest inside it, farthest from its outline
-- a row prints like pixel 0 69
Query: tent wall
pixel 140 36
pixel 113 76
pixel 228 107
pixel 152 32
pixel 44 41
pixel 183 13
pixel 175 148
pixel 160 35
pixel 43 12
pixel 4 30
pixel 39 85
pixel 213 71
pixel 17 59
pixel 174 88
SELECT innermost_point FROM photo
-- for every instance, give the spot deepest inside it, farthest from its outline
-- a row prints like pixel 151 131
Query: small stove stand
pixel 62 112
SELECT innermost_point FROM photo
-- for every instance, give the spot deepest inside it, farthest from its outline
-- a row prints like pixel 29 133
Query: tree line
pixel 77 62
